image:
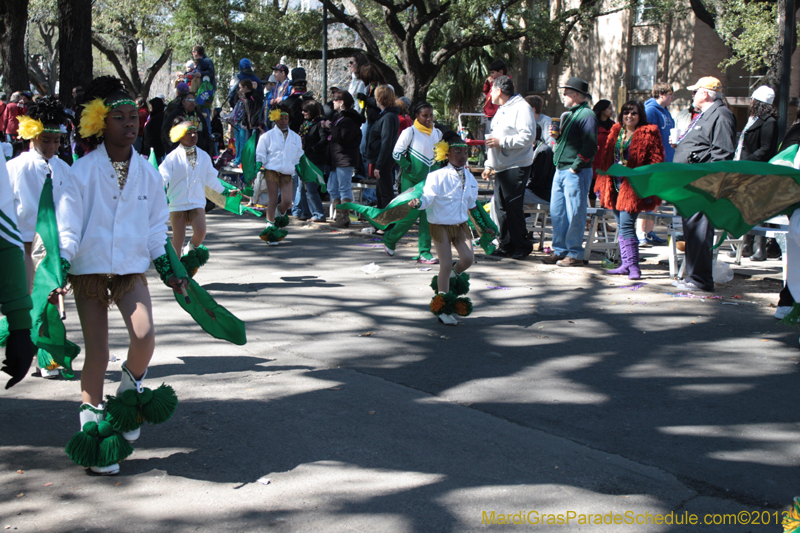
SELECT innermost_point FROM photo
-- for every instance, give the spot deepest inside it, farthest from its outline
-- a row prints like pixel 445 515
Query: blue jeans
pixel 307 201
pixel 626 222
pixel 241 135
pixel 569 200
pixel 340 183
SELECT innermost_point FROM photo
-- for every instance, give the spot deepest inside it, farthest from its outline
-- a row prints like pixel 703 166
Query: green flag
pixel 310 173
pixel 231 203
pixel 212 317
pixel 734 195
pixel 152 159
pixel 248 159
pixel 48 332
pixel 397 210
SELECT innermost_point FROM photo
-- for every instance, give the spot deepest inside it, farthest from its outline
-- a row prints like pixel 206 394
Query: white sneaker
pixel 271 243
pixel 127 382
pixel 49 374
pixel 388 251
pixel 782 311
pixel 110 470
pixel 368 230
pixel 448 320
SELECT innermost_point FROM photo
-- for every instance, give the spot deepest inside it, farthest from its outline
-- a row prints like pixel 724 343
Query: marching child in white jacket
pixel 112 220
pixel 278 151
pixel 187 171
pixel 449 196
pixel 43 125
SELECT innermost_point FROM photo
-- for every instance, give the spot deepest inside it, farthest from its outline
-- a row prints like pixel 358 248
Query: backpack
pixel 205 94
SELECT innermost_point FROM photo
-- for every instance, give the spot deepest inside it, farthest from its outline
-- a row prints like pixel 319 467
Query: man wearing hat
pixel 576 146
pixel 710 137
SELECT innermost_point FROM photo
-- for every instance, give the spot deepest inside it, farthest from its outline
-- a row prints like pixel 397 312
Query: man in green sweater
pixel 573 154
pixel 15 302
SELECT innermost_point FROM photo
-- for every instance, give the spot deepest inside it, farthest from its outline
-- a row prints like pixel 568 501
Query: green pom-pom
pixel 123 411
pixel 460 284
pixel 146 396
pixel 162 405
pixel 282 221
pixel 45 360
pixel 435 283
pixel 90 428
pixel 201 252
pixel 190 263
pixel 273 234
pixel 112 450
pixel 443 303
pixel 83 449
pixel 792 318
pixel 463 306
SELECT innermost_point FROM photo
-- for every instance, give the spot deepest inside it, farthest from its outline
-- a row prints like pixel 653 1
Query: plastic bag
pixel 722 272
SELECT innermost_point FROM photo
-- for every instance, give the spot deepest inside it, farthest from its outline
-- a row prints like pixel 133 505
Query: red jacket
pixel 405 122
pixel 645 149
pixel 144 114
pixel 489 109
pixel 10 120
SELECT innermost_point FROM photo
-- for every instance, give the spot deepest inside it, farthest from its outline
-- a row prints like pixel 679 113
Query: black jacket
pixel 315 144
pixel 152 130
pixel 543 170
pixel 713 137
pixel 294 102
pixel 760 140
pixel 345 139
pixel 253 103
pixel 382 137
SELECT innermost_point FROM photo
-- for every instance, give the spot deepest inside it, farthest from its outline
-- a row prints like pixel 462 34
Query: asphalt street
pixel 351 408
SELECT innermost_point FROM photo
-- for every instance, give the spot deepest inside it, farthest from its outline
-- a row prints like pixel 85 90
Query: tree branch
pixel 356 24
pixel 111 54
pixel 702 13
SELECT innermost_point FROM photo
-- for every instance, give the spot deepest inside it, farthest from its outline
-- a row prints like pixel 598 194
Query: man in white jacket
pixel 509 146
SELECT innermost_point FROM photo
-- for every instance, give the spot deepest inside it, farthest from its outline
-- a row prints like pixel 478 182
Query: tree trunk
pixel 74 46
pixel 13 22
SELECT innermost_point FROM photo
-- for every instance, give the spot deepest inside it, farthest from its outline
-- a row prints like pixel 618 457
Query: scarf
pixel 422 128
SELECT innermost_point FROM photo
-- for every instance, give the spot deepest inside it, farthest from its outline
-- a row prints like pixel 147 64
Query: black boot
pixel 747 247
pixel 773 249
pixel 759 248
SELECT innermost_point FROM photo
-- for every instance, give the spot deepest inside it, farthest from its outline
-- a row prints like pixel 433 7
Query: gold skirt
pixel 456 233
pixel 277 177
pixel 189 215
pixel 104 288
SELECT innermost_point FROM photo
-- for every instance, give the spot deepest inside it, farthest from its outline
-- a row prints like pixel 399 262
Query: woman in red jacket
pixel 632 143
pixel 603 110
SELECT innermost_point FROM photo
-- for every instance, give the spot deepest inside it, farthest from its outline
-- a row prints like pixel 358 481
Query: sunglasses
pixel 636 113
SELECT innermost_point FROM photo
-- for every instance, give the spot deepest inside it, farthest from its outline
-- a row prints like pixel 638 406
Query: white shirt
pixel 107 231
pixel 27 173
pixel 186 186
pixel 276 153
pixel 515 128
pixel 444 198
pixel 8 217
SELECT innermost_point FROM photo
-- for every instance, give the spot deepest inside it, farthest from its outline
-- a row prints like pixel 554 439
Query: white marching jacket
pixel 444 198
pixel 275 153
pixel 107 231
pixel 27 173
pixel 186 186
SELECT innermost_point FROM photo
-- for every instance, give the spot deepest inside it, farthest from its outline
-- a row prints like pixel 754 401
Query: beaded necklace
pixel 121 169
pixel 622 147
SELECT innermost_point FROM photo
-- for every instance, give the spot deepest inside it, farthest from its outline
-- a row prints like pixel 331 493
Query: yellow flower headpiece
pixel 440 150
pixel 93 118
pixel 177 132
pixel 275 115
pixel 29 128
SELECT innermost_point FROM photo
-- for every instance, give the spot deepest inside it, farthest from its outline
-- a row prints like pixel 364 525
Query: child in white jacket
pixel 187 171
pixel 278 151
pixel 43 125
pixel 449 196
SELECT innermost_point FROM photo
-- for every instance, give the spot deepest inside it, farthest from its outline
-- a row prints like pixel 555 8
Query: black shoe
pixel 759 248
pixel 519 256
pixel 773 249
pixel 501 253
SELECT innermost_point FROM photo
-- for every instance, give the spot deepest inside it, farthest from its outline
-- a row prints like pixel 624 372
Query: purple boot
pixel 633 258
pixel 624 267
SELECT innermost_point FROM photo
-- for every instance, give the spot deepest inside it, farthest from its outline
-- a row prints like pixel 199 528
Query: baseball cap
pixel 281 66
pixel 182 88
pixel 764 94
pixel 709 82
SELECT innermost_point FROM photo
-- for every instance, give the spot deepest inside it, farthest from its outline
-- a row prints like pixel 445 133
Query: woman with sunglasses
pixel 631 143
